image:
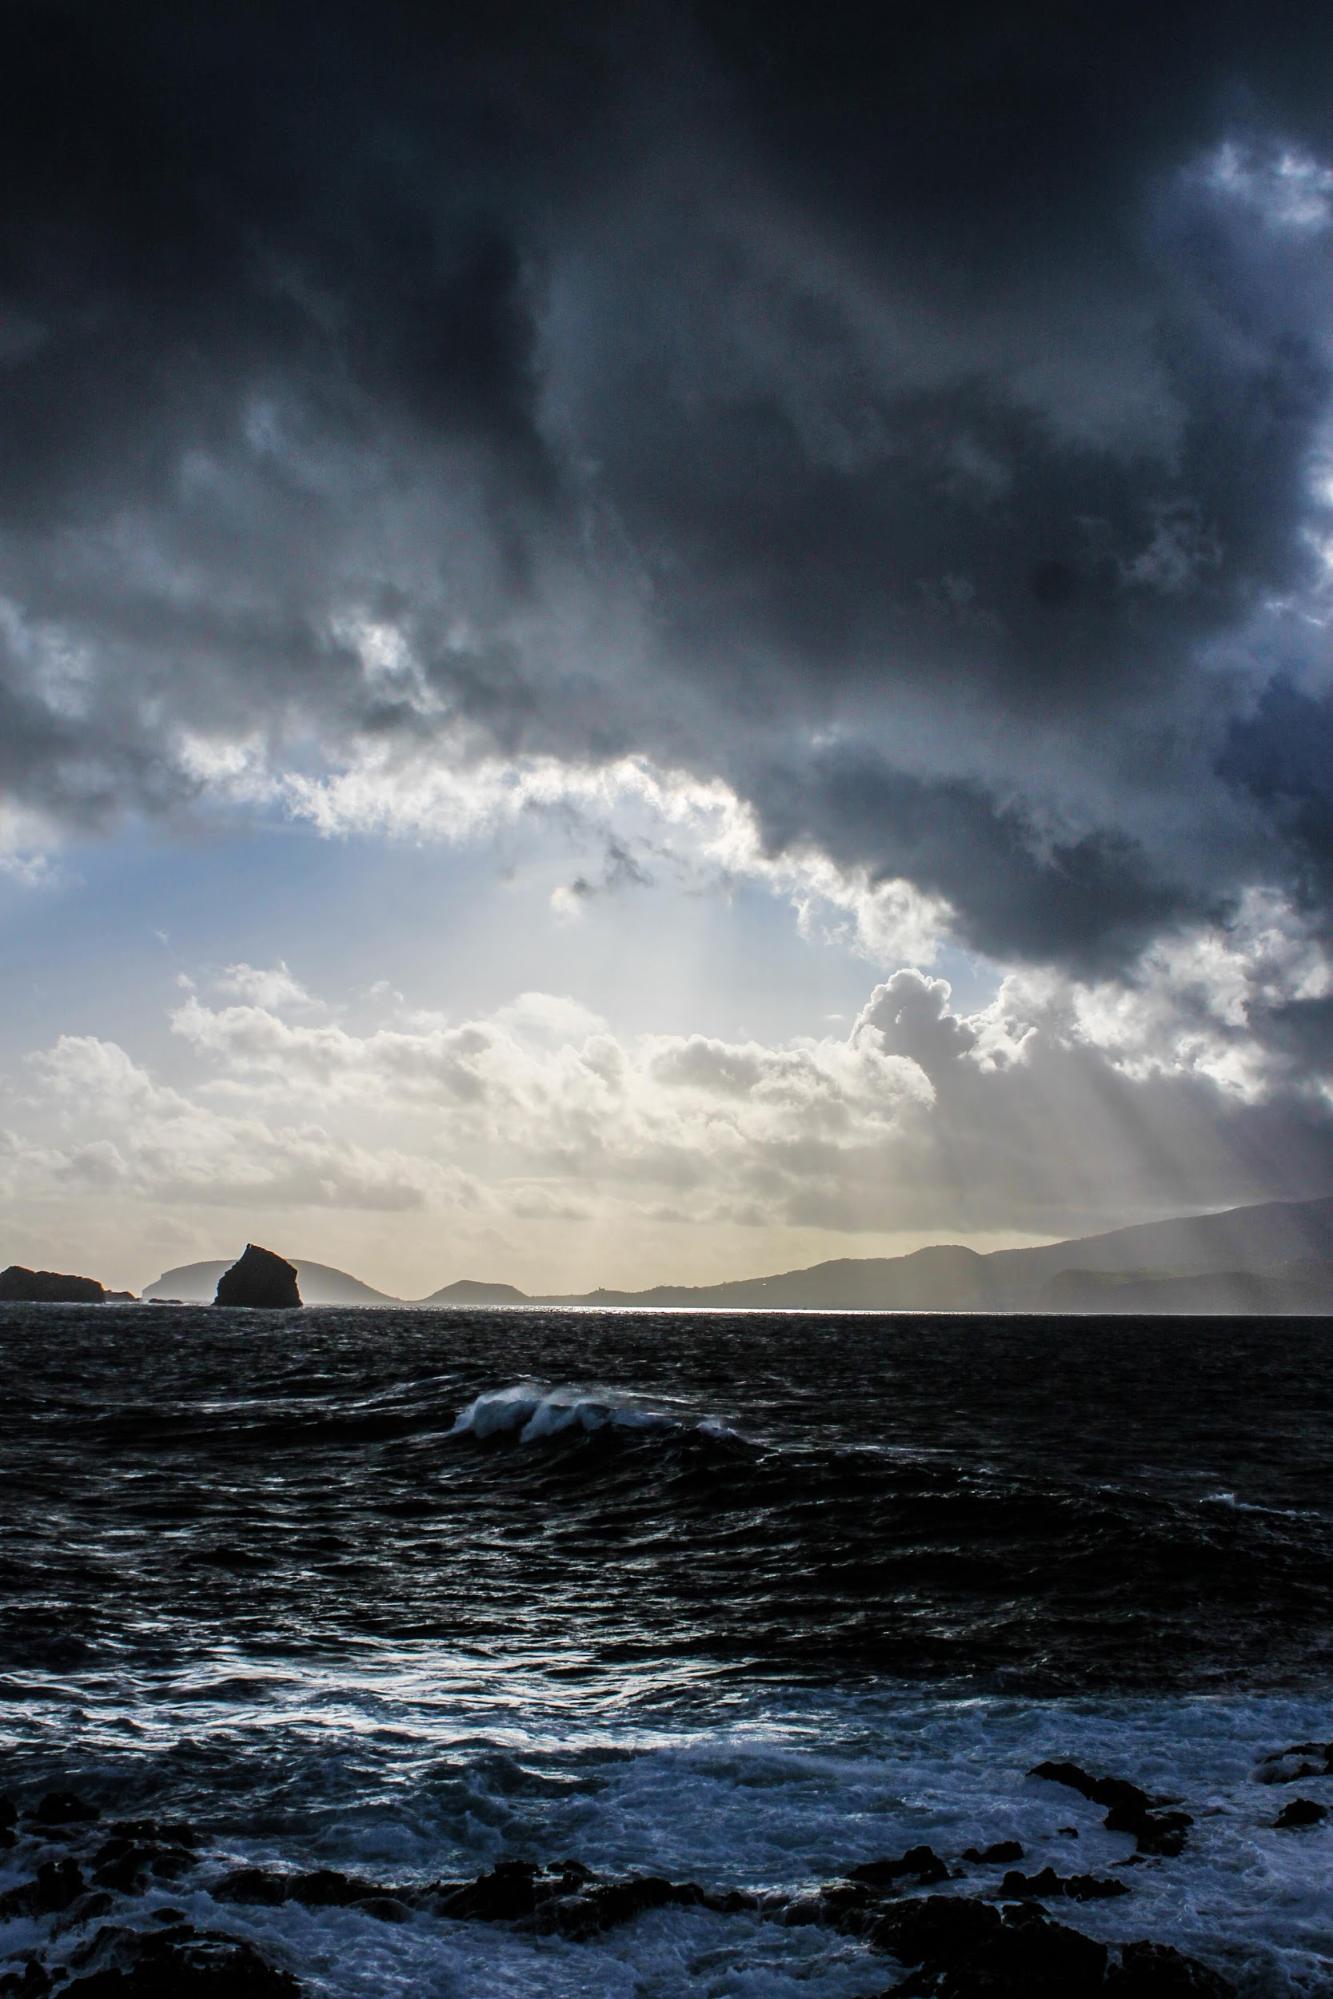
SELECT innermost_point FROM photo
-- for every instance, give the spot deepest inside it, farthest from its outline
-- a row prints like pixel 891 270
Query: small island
pixel 259 1277
pixel 49 1287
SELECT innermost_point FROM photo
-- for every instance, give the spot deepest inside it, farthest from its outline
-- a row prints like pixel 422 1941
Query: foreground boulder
pixel 258 1278
pixel 47 1287
pixel 177 1963
pixel 964 1950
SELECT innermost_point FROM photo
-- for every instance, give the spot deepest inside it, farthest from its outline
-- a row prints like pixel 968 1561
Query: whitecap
pixel 534 1410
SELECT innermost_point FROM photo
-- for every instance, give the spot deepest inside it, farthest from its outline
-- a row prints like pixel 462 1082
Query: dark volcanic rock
pixel 85 1910
pixel 323 1888
pixel 959 1948
pixel 139 1850
pixel 567 1898
pixel 258 1278
pixel 601 1908
pixel 1159 1833
pixel 1004 1852
pixel 61 1809
pixel 1303 1759
pixel 159 1832
pixel 1112 1791
pixel 1157 1971
pixel 179 1963
pixel 922 1863
pixel 57 1886
pixel 47 1287
pixel 937 1929
pixel 962 1949
pixel 505 1895
pixel 1300 1812
pixel 1077 1887
pixel 32 1982
pixel 1131 1810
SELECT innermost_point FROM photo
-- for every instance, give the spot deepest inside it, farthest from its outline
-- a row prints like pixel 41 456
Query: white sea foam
pixel 671 1954
pixel 411 1774
pixel 1238 1505
pixel 532 1410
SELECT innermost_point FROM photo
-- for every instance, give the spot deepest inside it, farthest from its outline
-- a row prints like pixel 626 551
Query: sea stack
pixel 47 1287
pixel 258 1278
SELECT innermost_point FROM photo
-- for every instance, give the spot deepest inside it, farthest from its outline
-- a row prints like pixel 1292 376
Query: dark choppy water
pixel 746 1599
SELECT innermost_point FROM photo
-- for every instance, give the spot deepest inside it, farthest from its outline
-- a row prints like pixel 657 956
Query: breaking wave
pixel 532 1411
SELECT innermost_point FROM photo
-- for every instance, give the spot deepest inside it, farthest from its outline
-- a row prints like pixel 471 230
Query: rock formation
pixel 89 1890
pixel 259 1278
pixel 47 1287
pixel 320 1284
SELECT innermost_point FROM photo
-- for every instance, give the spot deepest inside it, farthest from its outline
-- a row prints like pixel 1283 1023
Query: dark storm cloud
pixel 885 410
pixel 1092 898
pixel 1283 756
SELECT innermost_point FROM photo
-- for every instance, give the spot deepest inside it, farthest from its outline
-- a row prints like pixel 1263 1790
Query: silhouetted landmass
pixel 321 1284
pixel 467 1291
pixel 1275 1258
pixel 1302 1287
pixel 259 1278
pixel 48 1287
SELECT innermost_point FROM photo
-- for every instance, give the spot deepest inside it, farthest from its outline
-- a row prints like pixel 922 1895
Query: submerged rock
pixel 31 1980
pixel 1017 1887
pixel 57 1886
pixel 61 1809
pixel 613 1902
pixel 47 1287
pixel 321 1888
pixel 508 1893
pixel 258 1278
pixel 1159 1971
pixel 140 1850
pixel 1158 1833
pixel 922 1863
pixel 1155 1832
pixel 1302 1759
pixel 1300 1812
pixel 1112 1791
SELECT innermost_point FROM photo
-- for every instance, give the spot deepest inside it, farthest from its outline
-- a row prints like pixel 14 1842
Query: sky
pixel 654 643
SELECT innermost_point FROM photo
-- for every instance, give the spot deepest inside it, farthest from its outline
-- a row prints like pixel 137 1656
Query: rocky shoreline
pixel 98 1890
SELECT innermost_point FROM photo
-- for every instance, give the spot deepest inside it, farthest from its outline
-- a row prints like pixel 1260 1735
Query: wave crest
pixel 534 1410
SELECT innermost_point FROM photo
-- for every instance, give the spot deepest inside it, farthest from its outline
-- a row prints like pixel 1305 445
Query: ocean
pixel 405 1647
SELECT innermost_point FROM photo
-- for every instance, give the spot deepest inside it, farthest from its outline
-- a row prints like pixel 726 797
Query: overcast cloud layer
pixel 888 454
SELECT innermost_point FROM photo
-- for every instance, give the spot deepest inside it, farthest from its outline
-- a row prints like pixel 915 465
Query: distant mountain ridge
pixel 1253 1243
pixel 1274 1257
